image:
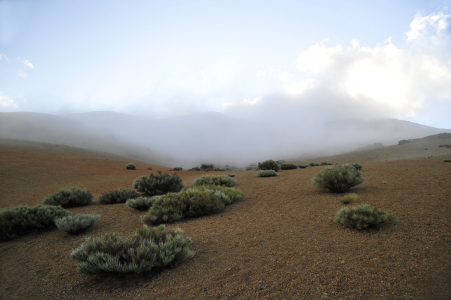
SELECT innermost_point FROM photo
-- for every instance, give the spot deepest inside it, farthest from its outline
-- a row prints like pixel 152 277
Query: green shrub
pixel 311 164
pixel 77 223
pixel 248 168
pixel 130 166
pixel 288 166
pixel 363 216
pixel 231 193
pixel 269 165
pixel 356 166
pixel 148 248
pixel 141 203
pixel 301 166
pixel 447 160
pixel 266 173
pixel 190 203
pixel 178 169
pixel 21 219
pixel 118 196
pixel 155 185
pixel 348 198
pixel 215 180
pixel 316 164
pixel 281 161
pixel 69 198
pixel 323 164
pixel 338 180
pixel 231 175
pixel 219 169
pixel 206 167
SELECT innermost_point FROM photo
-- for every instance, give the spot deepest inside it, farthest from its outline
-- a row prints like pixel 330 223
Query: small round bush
pixel 348 198
pixel 269 165
pixel 288 166
pixel 363 216
pixel 215 180
pixel 130 166
pixel 266 173
pixel 142 203
pixel 447 160
pixel 178 169
pixel 206 167
pixel 316 164
pixel 69 198
pixel 356 166
pixel 118 196
pixel 147 249
pixel 338 180
pixel 311 164
pixel 21 219
pixel 231 193
pixel 231 175
pixel 160 184
pixel 77 223
pixel 301 166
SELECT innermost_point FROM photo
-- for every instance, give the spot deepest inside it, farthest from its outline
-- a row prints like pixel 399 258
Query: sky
pixel 257 60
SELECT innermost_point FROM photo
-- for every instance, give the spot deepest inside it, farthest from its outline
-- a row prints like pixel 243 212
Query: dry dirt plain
pixel 278 243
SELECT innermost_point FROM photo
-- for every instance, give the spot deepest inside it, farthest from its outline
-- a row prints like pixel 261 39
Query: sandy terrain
pixel 278 243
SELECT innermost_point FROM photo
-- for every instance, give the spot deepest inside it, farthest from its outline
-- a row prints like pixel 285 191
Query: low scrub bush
pixel 130 166
pixel 77 223
pixel 178 169
pixel 190 203
pixel 355 165
pixel 348 198
pixel 281 161
pixel 231 175
pixel 311 164
pixel 219 169
pixel 155 185
pixel 288 166
pixel 447 160
pixel 363 216
pixel 21 219
pixel 266 173
pixel 148 248
pixel 338 180
pixel 141 203
pixel 269 165
pixel 118 196
pixel 301 166
pixel 215 180
pixel 231 193
pixel 206 167
pixel 69 198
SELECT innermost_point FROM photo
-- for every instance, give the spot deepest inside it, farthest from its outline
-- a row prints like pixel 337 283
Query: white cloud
pixel 355 43
pixel 420 25
pixel 325 40
pixel 260 73
pixel 23 75
pixel 28 64
pixel 226 104
pixel 3 57
pixel 6 102
pixel 249 102
pixel 318 58
pixel 283 76
pixel 299 88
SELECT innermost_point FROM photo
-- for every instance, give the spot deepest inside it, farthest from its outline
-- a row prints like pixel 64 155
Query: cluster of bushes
pixel 206 167
pixel 193 202
pixel 215 180
pixel 266 173
pixel 69 198
pixel 141 203
pixel 21 219
pixel 363 217
pixel 130 166
pixel 302 166
pixel 160 184
pixel 338 180
pixel 177 169
pixel 148 248
pixel 269 165
pixel 288 166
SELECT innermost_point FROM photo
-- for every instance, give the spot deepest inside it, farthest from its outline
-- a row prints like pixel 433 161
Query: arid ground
pixel 280 242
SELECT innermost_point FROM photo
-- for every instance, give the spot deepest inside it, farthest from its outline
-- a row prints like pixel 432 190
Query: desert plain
pixel 280 242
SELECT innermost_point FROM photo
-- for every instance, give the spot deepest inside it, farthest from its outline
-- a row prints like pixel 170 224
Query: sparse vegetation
pixel 363 216
pixel 311 164
pixel 69 198
pixel 155 185
pixel 178 169
pixel 302 166
pixel 21 219
pixel 206 167
pixel 148 248
pixel 356 166
pixel 266 173
pixel 130 166
pixel 338 180
pixel 269 165
pixel 215 180
pixel 231 193
pixel 348 198
pixel 118 196
pixel 447 160
pixel 231 175
pixel 77 223
pixel 141 203
pixel 288 166
pixel 281 161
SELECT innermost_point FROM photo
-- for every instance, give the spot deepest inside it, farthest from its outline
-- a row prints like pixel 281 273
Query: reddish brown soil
pixel 278 243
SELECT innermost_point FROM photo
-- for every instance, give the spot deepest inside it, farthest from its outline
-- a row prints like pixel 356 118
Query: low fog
pixel 281 128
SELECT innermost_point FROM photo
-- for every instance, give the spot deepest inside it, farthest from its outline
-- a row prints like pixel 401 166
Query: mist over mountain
pixel 208 137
